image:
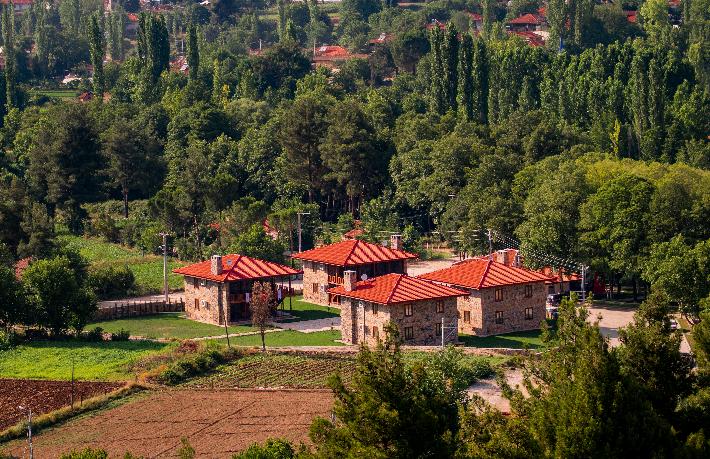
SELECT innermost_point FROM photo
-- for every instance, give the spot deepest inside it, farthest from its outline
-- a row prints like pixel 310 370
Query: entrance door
pixel 237 312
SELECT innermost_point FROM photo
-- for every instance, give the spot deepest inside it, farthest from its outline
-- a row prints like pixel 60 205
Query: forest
pixel 592 148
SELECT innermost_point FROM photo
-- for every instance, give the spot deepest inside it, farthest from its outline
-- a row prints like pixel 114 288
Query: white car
pixel 674 324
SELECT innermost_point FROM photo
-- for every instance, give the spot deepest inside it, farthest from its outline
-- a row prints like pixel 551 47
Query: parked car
pixel 674 324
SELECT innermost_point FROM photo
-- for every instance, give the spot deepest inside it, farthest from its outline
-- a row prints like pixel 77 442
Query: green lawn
pixel 147 269
pixel 520 340
pixel 303 310
pixel 107 361
pixel 56 93
pixel 288 338
pixel 166 325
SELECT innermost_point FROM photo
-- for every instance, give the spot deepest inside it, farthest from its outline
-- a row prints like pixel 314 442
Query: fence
pixel 126 309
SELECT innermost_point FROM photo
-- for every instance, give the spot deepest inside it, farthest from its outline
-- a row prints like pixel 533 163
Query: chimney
pixel 501 257
pixel 216 266
pixel 396 242
pixel 349 280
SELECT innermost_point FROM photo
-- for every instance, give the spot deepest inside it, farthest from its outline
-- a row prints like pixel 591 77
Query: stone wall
pixel 482 306
pixel 424 320
pixel 315 274
pixel 214 295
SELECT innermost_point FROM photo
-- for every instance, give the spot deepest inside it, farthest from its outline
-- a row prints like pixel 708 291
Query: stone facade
pixel 316 277
pixel 205 301
pixel 361 318
pixel 482 314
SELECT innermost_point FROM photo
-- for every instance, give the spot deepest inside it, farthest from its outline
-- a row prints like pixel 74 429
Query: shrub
pixel 122 335
pixel 187 364
pixel 7 340
pixel 87 453
pixel 111 281
pixel 95 335
pixel 272 449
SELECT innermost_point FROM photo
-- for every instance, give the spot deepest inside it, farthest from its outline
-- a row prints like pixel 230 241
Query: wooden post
pixel 290 296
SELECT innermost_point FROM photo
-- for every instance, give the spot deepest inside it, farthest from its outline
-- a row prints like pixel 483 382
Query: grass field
pixel 55 93
pixel 106 361
pixel 303 310
pixel 520 340
pixel 167 325
pixel 288 338
pixel 148 269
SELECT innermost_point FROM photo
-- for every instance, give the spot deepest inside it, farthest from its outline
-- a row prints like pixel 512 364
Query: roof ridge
pixel 352 250
pixel 394 288
pixel 485 273
pixel 234 265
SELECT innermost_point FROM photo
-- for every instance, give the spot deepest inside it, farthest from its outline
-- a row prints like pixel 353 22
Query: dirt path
pixel 217 423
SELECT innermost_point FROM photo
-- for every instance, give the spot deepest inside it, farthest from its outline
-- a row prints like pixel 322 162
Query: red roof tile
pixel 478 273
pixel 397 288
pixel 353 253
pixel 526 19
pixel 237 267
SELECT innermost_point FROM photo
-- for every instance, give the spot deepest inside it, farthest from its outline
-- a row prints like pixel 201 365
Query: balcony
pixel 337 280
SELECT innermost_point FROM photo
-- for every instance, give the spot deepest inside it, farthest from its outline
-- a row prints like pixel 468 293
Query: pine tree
pixel 480 81
pixel 97 48
pixel 464 96
pixel 193 52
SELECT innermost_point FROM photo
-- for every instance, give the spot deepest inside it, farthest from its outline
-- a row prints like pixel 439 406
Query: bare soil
pixel 217 423
pixel 43 396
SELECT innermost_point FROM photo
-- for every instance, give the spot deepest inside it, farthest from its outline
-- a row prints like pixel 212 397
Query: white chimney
pixel 349 280
pixel 216 266
pixel 396 242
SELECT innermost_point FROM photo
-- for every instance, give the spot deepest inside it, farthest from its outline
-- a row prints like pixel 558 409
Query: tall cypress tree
pixel 193 52
pixel 489 16
pixel 464 96
pixel 8 36
pixel 450 55
pixel 281 25
pixel 480 81
pixel 97 49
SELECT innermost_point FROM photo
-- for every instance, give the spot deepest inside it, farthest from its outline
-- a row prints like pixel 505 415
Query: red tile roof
pixel 335 53
pixel 475 16
pixel 237 267
pixel 353 253
pixel 397 288
pixel 526 19
pixel 478 273
pixel 531 38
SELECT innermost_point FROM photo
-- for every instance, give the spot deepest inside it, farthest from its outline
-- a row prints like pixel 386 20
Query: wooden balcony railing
pixel 337 280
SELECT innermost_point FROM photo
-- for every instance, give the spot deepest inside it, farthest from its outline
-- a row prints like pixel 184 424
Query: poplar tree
pixel 193 53
pixel 489 16
pixel 556 19
pixel 437 93
pixel 479 78
pixel 97 49
pixel 464 96
pixel 450 55
pixel 281 26
pixel 8 36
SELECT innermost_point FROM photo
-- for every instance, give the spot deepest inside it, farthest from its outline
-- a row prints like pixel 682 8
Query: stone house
pixel 501 299
pixel 221 287
pixel 562 281
pixel 417 307
pixel 324 267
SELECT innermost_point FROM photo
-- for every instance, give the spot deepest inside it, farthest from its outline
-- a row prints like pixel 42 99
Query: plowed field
pixel 43 396
pixel 217 423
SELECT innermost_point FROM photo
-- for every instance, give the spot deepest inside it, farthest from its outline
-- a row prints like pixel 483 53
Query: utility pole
pixel 584 280
pixel 490 244
pixel 298 214
pixel 165 265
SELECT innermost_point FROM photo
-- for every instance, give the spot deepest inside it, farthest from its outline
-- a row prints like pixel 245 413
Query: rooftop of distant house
pixel 334 53
pixel 237 267
pixel 397 288
pixel 483 272
pixel 527 19
pixel 353 253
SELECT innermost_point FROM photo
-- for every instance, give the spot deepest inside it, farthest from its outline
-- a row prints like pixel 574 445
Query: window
pixel 440 306
pixel 499 294
pixel 408 309
pixel 467 317
pixel 437 330
pixel 375 309
pixel 195 282
pixel 375 333
pixel 528 313
pixel 528 291
pixel 314 286
pixel 203 282
pixel 197 304
pixel 408 332
pixel 499 317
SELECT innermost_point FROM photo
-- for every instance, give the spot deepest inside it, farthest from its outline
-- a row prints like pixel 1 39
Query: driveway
pixel 611 318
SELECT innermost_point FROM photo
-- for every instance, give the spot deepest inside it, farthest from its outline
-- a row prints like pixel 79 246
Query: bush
pixel 272 449
pixel 7 340
pixel 189 364
pixel 87 453
pixel 111 281
pixel 95 335
pixel 122 335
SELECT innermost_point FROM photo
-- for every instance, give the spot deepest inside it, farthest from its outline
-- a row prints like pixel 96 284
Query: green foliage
pixel 256 243
pixel 12 300
pixel 87 453
pixel 204 358
pixel 272 449
pixel 111 281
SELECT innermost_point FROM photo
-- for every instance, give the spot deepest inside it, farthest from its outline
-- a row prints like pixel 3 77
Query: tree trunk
pixel 263 340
